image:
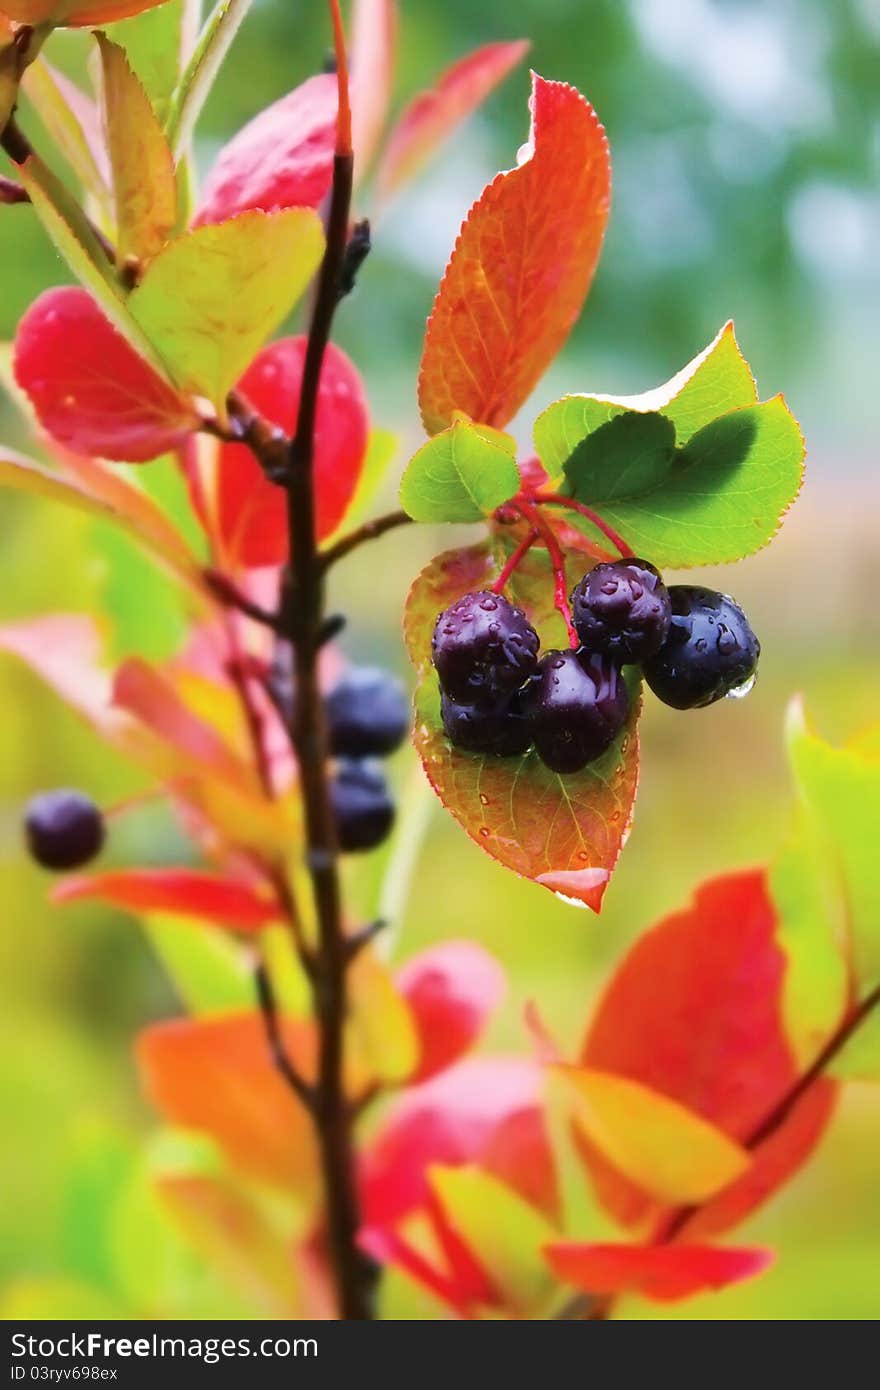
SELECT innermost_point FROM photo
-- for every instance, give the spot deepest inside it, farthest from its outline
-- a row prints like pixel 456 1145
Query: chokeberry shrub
pixel 710 1065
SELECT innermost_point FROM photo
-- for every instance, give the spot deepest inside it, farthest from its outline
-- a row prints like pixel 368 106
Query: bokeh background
pixel 746 149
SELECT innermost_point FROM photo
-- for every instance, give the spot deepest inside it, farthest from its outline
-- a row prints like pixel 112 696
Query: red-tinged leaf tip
pixel 693 1012
pixel 452 990
pixel 521 267
pixel 251 512
pixel 283 158
pixel 185 892
pixel 343 119
pixel 506 804
pixel 432 116
pixel 91 391
pixel 216 1075
pixel 662 1272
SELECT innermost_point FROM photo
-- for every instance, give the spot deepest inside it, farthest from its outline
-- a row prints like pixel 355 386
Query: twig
pixel 231 597
pixel 19 148
pixel 369 531
pixel 559 499
pixel 269 1010
pixel 532 514
pixel 513 561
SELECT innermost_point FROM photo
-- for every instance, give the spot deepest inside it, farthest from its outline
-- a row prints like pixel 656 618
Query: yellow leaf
pixel 382 1027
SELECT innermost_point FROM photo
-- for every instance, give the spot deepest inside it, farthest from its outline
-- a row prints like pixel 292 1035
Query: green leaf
pixel 144 183
pixel 382 445
pixel 722 496
pixel 72 120
pixel 209 970
pixel 459 475
pixel 839 790
pixel 626 458
pixel 211 298
pixel 505 1234
pixel 157 43
pixel 192 91
pixel 716 381
pixel 806 892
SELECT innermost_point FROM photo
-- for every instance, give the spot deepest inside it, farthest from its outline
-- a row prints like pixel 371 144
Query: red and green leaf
pixel 252 512
pixel 91 391
pixel 283 158
pixel 433 116
pixel 521 268
pixel 452 990
pixel 565 833
pixel 694 1013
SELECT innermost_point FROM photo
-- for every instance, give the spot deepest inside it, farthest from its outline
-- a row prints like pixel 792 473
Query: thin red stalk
pixel 559 499
pixel 514 560
pixel 531 513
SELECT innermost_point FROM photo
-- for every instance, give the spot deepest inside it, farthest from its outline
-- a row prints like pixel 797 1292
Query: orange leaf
pixel 186 892
pixel 216 1076
pixel 75 14
pixel 521 267
pixel 664 1272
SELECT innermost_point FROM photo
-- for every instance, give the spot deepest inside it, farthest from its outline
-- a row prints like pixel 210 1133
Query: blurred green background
pixel 746 146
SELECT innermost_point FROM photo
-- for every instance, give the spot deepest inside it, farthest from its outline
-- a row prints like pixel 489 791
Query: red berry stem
pixel 531 513
pixel 559 499
pixel 513 561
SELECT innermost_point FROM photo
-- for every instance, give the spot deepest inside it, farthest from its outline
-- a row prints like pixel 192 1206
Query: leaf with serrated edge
pixel 564 833
pixel 521 267
pixel 722 497
pixel 211 298
pixel 716 381
pixel 459 475
pixel 144 185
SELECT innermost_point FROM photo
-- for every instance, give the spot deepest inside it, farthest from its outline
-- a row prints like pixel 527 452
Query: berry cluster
pixel 367 718
pixel 498 695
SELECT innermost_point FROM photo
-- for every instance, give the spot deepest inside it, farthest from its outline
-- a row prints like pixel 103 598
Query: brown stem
pixel 354 1274
pixel 19 148
pixel 369 531
pixel 269 1010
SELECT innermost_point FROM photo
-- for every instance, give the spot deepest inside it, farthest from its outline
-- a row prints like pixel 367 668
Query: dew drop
pixel 484 798
pixel 583 855
pixel 485 831
pixel 739 692
pixel 615 815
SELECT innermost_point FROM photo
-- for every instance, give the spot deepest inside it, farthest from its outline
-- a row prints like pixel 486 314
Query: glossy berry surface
pixel 361 803
pixel 64 829
pixel 710 650
pixel 501 729
pixel 622 608
pixel 367 713
pixel 483 649
pixel 577 705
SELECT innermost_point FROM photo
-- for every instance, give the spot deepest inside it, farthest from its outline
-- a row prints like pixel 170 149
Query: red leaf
pixel 253 512
pixel 484 1110
pixel 505 804
pixel 216 1076
pixel 452 989
pixel 663 1272
pixel 433 116
pixel 80 14
pixel 187 892
pixel 521 268
pixel 373 28
pixel 64 650
pixel 283 158
pixel 90 390
pixel 693 1011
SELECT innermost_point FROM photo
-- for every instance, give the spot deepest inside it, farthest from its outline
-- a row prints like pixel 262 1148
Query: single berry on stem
pixel 64 829
pixel 710 650
pixel 367 713
pixel 501 729
pixel 362 807
pixel 577 704
pixel 622 608
pixel 483 648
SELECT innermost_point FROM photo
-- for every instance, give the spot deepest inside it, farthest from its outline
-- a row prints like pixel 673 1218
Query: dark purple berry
pixel 362 807
pixel 710 650
pixel 367 713
pixel 577 704
pixel 483 648
pixel 622 608
pixel 501 729
pixel 63 828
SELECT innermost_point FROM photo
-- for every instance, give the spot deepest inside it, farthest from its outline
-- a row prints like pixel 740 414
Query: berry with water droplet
pixel 361 803
pixel 484 649
pixel 64 829
pixel 622 608
pixel 501 729
pixel 577 704
pixel 367 713
pixel 710 649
